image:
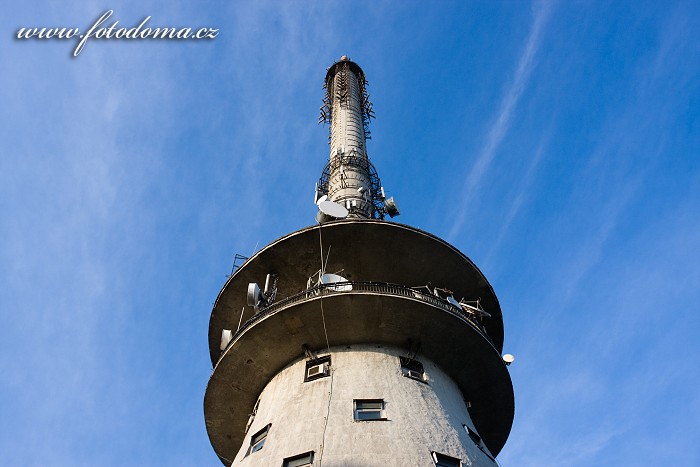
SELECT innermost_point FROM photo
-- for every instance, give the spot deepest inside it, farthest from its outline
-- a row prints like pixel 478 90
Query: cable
pixel 328 346
pixel 325 423
pixel 323 317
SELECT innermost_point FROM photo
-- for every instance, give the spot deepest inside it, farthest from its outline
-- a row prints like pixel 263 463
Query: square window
pixel 257 441
pixel 412 368
pixel 300 460
pixel 443 460
pixel 317 368
pixel 369 409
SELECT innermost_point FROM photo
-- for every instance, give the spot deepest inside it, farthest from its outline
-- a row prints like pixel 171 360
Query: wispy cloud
pixel 632 142
pixel 626 265
pixel 525 184
pixel 76 229
pixel 501 124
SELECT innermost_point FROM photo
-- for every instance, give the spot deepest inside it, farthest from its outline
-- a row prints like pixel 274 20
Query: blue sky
pixel 557 144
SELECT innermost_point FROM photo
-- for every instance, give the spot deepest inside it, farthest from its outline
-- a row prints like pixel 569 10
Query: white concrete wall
pixel 421 417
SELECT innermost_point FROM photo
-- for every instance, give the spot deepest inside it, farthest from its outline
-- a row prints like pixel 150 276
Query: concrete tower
pixel 371 343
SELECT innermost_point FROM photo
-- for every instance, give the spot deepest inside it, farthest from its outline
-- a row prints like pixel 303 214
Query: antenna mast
pixel 349 178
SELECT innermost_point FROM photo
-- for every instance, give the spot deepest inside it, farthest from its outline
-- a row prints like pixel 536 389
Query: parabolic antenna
pixel 321 199
pixel 254 295
pixel 226 336
pixel 508 358
pixel 335 279
pixel 332 209
pixel 391 208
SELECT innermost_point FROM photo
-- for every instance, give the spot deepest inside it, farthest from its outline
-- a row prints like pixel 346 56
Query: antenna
pixel 226 336
pixel 267 284
pixel 336 279
pixel 262 298
pixel 475 310
pixel 270 293
pixel 254 296
pixel 333 209
pixel 508 359
pixel 391 208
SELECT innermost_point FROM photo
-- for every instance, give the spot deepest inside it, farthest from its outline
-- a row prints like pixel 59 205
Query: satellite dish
pixel 332 209
pixel 254 295
pixel 321 199
pixel 335 279
pixel 226 336
pixel 391 208
pixel 508 359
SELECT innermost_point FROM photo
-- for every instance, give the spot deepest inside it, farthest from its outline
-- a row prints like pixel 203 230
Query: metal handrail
pixel 365 287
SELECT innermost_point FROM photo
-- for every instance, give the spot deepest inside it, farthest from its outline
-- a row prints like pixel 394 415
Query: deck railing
pixel 381 288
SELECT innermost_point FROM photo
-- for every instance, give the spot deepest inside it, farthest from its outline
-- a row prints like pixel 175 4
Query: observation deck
pixel 384 302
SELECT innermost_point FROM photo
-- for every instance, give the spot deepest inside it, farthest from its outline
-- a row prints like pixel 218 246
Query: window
pixel 317 368
pixel 369 409
pixel 477 440
pixel 297 461
pixel 257 441
pixel 412 368
pixel 442 460
pixel 473 435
